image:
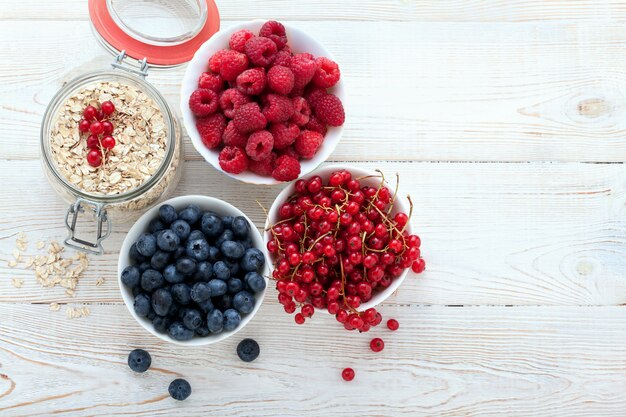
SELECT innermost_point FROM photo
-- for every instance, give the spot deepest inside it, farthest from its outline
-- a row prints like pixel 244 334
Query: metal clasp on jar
pixel 101 232
pixel 119 64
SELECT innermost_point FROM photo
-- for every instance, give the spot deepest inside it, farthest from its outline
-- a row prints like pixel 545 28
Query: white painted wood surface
pixel 506 122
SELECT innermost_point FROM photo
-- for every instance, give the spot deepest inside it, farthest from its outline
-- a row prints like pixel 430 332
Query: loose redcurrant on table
pixel 377 344
pixel 393 324
pixel 347 374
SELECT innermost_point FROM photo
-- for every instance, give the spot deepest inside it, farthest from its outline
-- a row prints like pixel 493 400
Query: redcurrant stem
pixel 395 194
pixel 408 197
pixel 318 239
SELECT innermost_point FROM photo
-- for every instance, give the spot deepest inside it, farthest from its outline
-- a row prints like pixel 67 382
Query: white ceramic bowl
pixel 299 41
pixel 205 203
pixel 324 172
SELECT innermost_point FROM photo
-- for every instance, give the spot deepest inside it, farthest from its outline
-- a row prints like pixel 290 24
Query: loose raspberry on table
pixel 329 110
pixel 260 145
pixel 231 99
pixel 280 79
pixel 233 64
pixel 215 62
pixel 233 159
pixel 289 151
pixel 251 81
pixel 283 58
pixel 277 108
pixel 307 143
pixel 275 31
pixel 211 129
pixel 303 67
pixel 316 125
pixel 211 81
pixel 248 118
pixel 287 168
pixel 327 73
pixel 261 51
pixel 302 111
pixel 284 134
pixel 238 39
pixel 233 137
pixel 314 93
pixel 263 167
pixel 203 102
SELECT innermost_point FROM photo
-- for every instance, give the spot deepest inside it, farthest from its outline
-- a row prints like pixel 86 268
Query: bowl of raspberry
pixel 340 240
pixel 192 270
pixel 263 102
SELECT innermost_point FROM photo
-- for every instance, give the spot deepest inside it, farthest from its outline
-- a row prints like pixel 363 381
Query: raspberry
pixel 308 143
pixel 251 81
pixel 230 100
pixel 211 81
pixel 280 79
pixel 261 51
pixel 327 73
pixel 330 110
pixel 238 39
pixel 211 129
pixel 314 93
pixel 203 102
pixel 316 126
pixel 233 137
pixel 233 159
pixel 303 67
pixel 260 145
pixel 287 168
pixel 263 167
pixel 277 108
pixel 275 31
pixel 283 58
pixel 284 134
pixel 302 111
pixel 289 151
pixel 248 118
pixel 215 62
pixel 233 64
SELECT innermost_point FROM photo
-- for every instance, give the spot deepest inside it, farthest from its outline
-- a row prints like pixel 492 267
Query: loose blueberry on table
pixel 179 389
pixel 139 360
pixel 194 273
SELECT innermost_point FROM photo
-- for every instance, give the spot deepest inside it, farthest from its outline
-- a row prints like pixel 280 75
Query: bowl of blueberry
pixel 192 270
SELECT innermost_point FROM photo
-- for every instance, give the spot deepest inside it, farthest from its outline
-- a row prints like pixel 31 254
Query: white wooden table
pixel 506 122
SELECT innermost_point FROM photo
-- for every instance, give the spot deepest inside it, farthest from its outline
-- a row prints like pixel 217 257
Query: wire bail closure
pixel 119 64
pixel 101 218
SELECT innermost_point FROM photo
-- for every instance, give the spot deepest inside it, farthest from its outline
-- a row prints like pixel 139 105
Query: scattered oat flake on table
pixel 17 282
pixel 77 312
pixel 99 281
pixel 55 306
pixel 12 263
pixel 40 244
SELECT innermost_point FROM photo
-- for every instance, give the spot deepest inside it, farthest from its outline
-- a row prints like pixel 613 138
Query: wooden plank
pixel 538 361
pixel 355 10
pixel 493 233
pixel 495 92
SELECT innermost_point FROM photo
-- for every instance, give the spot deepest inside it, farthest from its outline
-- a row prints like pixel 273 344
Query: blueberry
pixel 192 319
pixel 243 301
pixel 146 244
pixel 131 276
pixel 226 235
pixel 181 293
pixel 255 282
pixel 203 272
pixel 151 280
pixel 227 221
pixel 135 255
pixel 198 249
pixel 156 225
pixel 223 302
pixel 181 228
pixel 191 214
pixel 172 275
pixel 151 315
pixel 186 266
pixel 179 389
pixel 231 319
pixel 159 260
pixel 180 251
pixel 233 267
pixel 211 225
pixel 221 270
pixel 202 331
pixel 161 324
pixel 142 305
pixel 214 254
pixel 215 321
pixel 179 332
pixel 139 360
pixel 234 285
pixel 162 301
pixel 240 227
pixel 218 287
pixel 247 243
pixel 200 292
pixel 206 306
pixel 144 266
pixel 168 240
pixel 173 312
pixel 232 250
pixel 248 350
pixel 196 234
pixel 137 291
pixel 167 214
pixel 253 260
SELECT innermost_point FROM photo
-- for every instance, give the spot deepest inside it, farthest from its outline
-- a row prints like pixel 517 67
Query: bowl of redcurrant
pixel 341 240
